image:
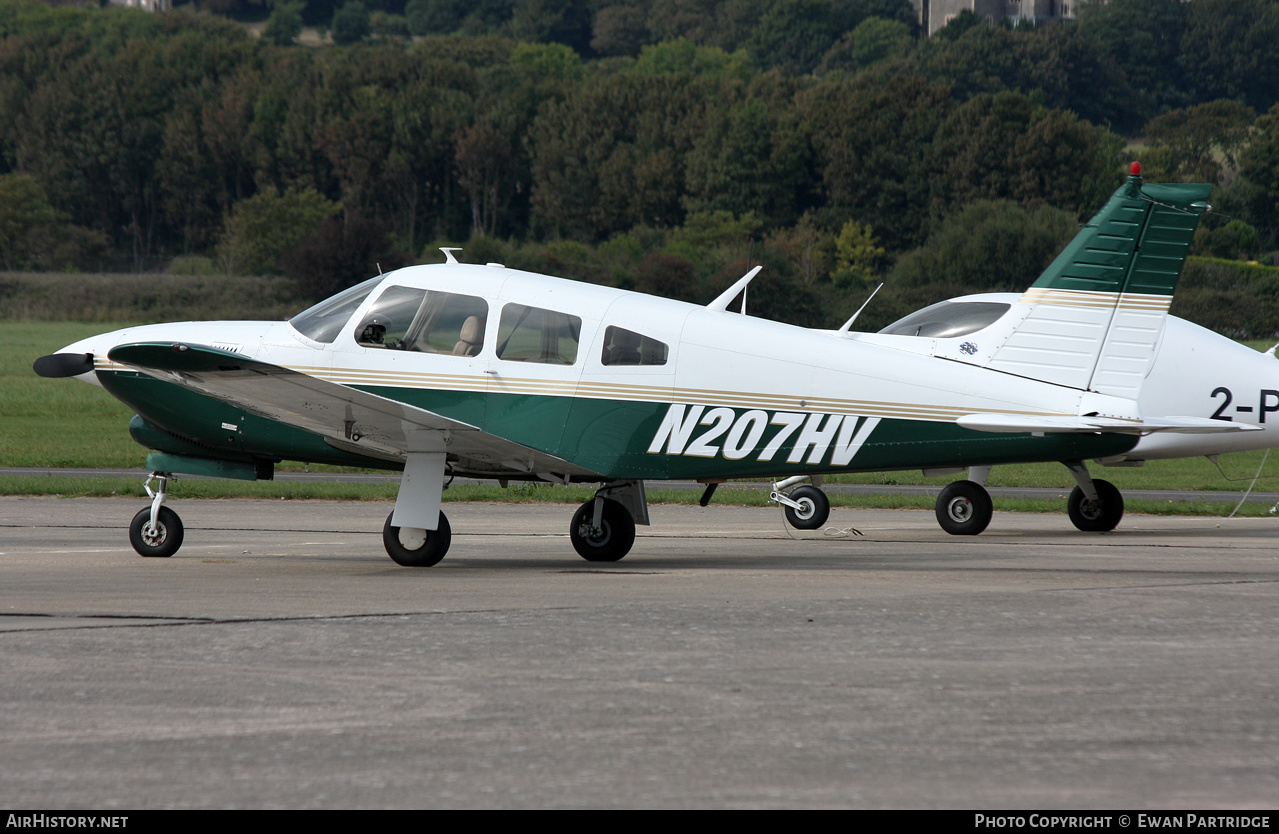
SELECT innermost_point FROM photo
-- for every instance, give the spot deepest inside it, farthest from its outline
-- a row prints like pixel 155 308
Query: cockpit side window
pixel 626 347
pixel 948 319
pixel 325 320
pixel 387 322
pixel 451 323
pixel 532 334
pixel 422 321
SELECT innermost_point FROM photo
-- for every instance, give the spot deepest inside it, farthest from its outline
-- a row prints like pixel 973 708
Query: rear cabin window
pixel 421 321
pixel 626 347
pixel 948 319
pixel 532 334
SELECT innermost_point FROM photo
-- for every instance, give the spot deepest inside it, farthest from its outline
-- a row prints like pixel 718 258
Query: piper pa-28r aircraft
pixel 482 371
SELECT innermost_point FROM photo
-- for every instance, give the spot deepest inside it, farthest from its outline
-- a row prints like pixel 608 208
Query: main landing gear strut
pixel 1095 506
pixel 603 529
pixel 964 508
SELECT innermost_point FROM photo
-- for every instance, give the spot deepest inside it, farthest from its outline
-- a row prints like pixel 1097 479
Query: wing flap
pixel 347 417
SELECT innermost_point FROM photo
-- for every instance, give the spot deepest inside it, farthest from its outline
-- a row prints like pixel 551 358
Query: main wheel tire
pixel 611 541
pixel 1097 516
pixel 161 542
pixel 413 547
pixel 964 508
pixel 813 511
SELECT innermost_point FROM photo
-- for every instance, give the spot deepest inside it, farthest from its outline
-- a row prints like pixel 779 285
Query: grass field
pixel 65 423
pixel 57 422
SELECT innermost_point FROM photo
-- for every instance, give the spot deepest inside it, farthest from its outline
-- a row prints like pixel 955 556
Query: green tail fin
pixel 1093 319
pixel 1137 243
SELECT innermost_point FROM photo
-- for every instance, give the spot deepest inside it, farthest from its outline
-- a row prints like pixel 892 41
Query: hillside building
pixel 935 14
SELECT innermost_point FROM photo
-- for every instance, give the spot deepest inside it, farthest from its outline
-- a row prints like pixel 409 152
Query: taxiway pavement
pixel 280 659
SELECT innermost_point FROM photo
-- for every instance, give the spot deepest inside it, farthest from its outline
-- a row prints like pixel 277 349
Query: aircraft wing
pixel 1049 425
pixel 348 418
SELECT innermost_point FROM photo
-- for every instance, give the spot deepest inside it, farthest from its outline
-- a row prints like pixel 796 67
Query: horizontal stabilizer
pixel 1020 423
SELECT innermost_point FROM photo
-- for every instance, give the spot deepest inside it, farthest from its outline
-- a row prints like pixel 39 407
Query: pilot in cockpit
pixel 374 332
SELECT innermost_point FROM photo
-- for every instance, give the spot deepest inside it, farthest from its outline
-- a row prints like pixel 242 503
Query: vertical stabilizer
pixel 1095 316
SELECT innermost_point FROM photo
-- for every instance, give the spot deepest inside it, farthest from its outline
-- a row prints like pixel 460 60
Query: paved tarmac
pixel 281 660
pixel 1222 496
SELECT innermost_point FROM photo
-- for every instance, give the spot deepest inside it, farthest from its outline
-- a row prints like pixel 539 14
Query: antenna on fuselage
pixel 722 301
pixel 448 253
pixel 843 331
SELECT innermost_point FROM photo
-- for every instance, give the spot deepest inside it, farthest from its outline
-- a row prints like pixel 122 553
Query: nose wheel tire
pixel 1098 516
pixel 413 547
pixel 964 508
pixel 814 508
pixel 611 540
pixel 160 541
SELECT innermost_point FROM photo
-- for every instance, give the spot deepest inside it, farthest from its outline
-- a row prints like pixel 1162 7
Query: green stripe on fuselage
pixel 611 437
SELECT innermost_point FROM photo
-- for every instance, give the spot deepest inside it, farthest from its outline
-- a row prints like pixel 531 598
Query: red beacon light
pixel 1135 169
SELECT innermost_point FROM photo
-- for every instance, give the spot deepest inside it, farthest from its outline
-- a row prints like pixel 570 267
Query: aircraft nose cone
pixel 57 365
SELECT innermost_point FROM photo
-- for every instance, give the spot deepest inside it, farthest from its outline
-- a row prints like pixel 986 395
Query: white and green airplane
pixel 482 371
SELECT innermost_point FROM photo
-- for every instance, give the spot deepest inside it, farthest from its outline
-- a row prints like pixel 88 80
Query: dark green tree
pixel 682 55
pixel 262 229
pixel 610 156
pixel 342 252
pixel 875 39
pixel 1006 146
pixel 1204 140
pixel 795 34
pixel 25 216
pixel 430 17
pixel 670 277
pixel 1230 49
pixel 91 136
pixel 553 21
pixel 872 137
pixel 751 159
pixel 989 245
pixel 1255 195
pixel 1142 39
pixel 485 166
pixel 285 22
pixel 692 19
pixel 351 23
pixel 620 30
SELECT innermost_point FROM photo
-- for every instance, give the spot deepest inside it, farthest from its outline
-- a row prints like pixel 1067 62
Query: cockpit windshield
pixel 948 319
pixel 325 320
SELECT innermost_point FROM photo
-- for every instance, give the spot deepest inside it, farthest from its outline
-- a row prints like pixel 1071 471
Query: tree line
pixel 659 145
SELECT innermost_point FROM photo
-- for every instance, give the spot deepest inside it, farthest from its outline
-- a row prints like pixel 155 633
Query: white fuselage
pixel 722 360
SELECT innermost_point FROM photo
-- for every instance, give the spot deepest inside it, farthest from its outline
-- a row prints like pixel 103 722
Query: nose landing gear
pixel 156 532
